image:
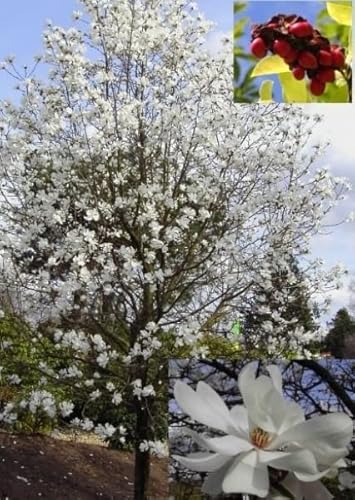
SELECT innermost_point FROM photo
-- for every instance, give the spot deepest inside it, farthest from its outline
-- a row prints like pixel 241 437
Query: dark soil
pixel 36 467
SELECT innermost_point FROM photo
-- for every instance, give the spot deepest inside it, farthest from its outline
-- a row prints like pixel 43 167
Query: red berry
pixel 307 60
pixel 282 47
pixel 292 56
pixel 317 87
pixel 325 58
pixel 258 47
pixel 338 59
pixel 298 73
pixel 272 25
pixel 326 75
pixel 301 29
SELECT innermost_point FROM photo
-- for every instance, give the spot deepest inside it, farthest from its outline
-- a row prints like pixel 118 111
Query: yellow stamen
pixel 260 438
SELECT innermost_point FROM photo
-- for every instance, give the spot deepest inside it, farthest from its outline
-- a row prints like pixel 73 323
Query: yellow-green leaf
pixel 269 66
pixel 239 27
pixel 265 91
pixel 293 90
pixel 336 92
pixel 341 12
pixel 350 47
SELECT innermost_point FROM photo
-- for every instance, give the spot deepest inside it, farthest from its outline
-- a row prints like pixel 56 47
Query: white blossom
pixel 116 398
pixel 105 431
pixel 66 408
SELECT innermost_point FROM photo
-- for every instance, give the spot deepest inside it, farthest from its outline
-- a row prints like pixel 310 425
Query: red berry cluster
pixel 301 46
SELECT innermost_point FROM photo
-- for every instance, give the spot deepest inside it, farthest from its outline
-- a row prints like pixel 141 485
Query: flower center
pixel 260 438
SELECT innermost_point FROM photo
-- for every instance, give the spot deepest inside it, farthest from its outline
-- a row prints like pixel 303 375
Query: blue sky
pixel 21 26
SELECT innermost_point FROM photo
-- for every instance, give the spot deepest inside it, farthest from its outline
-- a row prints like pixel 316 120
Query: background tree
pixel 352 295
pixel 280 307
pixel 342 331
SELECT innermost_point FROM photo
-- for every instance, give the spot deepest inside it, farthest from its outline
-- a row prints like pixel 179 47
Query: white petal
pixel 315 491
pixel 213 483
pixel 199 407
pixel 246 377
pixel 282 413
pixel 293 485
pixel 266 407
pixel 246 475
pixel 306 491
pixel 225 445
pixel 239 416
pixel 327 471
pixel 276 377
pixel 202 462
pixel 255 396
pixel 220 409
pixel 309 478
pixel 320 434
pixel 301 461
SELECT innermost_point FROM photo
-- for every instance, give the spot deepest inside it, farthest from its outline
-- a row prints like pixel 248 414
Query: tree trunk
pixel 142 458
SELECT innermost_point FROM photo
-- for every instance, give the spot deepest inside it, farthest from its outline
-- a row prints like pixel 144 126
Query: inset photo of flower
pixel 255 429
pixel 293 52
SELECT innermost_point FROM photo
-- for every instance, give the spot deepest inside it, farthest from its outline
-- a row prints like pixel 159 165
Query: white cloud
pixel 336 126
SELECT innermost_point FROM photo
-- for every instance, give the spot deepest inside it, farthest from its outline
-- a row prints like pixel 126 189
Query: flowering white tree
pixel 138 202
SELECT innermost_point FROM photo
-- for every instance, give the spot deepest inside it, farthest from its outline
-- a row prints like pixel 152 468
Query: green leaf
pixel 239 6
pixel 350 47
pixel 269 66
pixel 236 70
pixel 341 12
pixel 236 327
pixel 335 92
pixel 330 30
pixel 293 90
pixel 323 14
pixel 265 91
pixel 239 28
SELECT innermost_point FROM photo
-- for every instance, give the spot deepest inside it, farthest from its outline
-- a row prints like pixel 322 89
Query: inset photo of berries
pixel 293 52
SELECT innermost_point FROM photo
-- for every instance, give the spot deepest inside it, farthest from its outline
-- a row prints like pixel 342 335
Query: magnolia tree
pixel 138 204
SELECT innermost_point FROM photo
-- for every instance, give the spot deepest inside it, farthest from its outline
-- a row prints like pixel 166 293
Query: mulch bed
pixel 37 466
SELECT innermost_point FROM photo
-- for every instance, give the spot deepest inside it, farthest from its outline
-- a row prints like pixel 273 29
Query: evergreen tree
pixel 342 329
pixel 280 302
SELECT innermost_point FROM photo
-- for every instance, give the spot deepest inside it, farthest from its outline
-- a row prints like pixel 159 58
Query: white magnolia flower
pixel 110 386
pixel 268 431
pixel 87 424
pixel 116 398
pixel 105 431
pixel 95 394
pixel 347 480
pixel 66 408
pixel 14 379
